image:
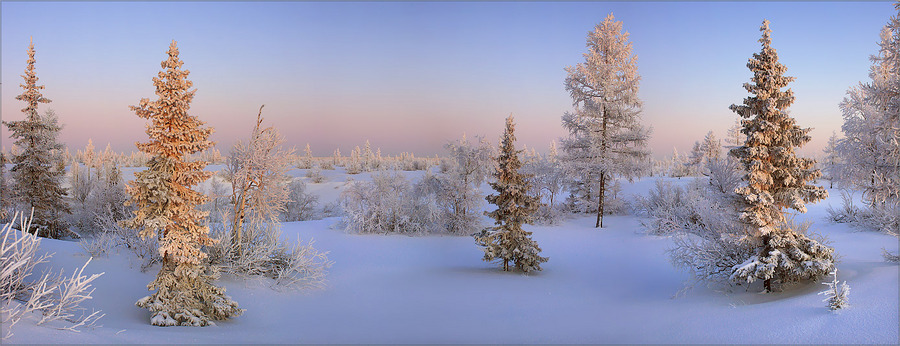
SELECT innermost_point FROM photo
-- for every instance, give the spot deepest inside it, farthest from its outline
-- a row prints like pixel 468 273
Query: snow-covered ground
pixel 610 285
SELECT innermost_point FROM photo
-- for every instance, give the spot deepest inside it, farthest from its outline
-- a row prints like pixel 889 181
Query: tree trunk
pixel 600 201
pixel 768 285
pixel 238 224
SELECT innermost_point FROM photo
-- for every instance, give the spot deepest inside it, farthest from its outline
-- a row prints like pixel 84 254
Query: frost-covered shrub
pixel 315 175
pixel 332 209
pixel 388 204
pixel 725 175
pixel 708 239
pixel 837 293
pixel 408 162
pixel 548 215
pixel 889 257
pixel 668 208
pixel 302 204
pixel 97 196
pixel 709 256
pixel 881 217
pixel 110 236
pixel 263 253
pixel 326 165
pixel 22 292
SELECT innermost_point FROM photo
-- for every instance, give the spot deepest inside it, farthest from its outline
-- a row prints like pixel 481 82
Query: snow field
pixel 610 285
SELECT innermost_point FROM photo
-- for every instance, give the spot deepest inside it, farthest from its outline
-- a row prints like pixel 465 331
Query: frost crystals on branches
pixel 776 179
pixel 168 208
pixel 606 138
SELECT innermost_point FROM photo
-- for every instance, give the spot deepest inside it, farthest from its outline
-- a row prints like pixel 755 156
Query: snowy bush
pixel 263 253
pixel 725 175
pixel 388 204
pixel 56 297
pixel 315 174
pixel 302 204
pixel 837 293
pixel 332 209
pixel 710 256
pixel 110 236
pixel 548 215
pixel 667 209
pixel 326 165
pixel 881 217
pixel 889 257
pixel 96 196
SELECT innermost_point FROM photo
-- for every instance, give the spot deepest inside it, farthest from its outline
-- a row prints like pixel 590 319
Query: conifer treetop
pixel 32 95
pixel 173 132
pixel 609 72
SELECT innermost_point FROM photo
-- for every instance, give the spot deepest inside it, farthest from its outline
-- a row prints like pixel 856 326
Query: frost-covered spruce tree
pixel 776 178
pixel 507 241
pixel 871 126
pixel 37 171
pixel 168 208
pixel 606 139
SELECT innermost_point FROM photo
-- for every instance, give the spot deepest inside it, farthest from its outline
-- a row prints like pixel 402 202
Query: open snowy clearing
pixel 610 285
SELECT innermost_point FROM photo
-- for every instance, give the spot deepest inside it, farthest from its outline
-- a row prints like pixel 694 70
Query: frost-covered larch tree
pixel 832 160
pixel 734 137
pixel 712 148
pixel 871 111
pixel 259 185
pixel 606 138
pixel 467 167
pixel 168 208
pixel 776 178
pixel 507 241
pixel 307 162
pixel 37 170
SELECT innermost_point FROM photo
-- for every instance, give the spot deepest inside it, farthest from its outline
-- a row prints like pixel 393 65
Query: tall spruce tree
pixel 168 208
pixel 37 171
pixel 507 241
pixel 606 138
pixel 776 178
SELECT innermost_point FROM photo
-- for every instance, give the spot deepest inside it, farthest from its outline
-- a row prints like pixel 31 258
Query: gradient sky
pixel 412 76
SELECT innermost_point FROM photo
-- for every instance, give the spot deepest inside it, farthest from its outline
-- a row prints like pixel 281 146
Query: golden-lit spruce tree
pixel 507 241
pixel 776 178
pixel 168 208
pixel 38 169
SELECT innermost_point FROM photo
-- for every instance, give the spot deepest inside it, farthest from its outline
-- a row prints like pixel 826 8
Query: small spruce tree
pixel 507 241
pixel 37 170
pixel 168 208
pixel 776 178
